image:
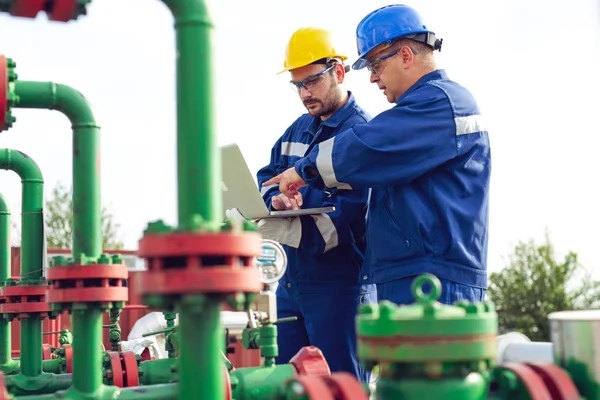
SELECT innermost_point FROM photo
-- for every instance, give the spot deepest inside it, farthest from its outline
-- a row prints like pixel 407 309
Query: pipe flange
pixel 26 8
pixel 310 360
pixel 46 351
pixel 3 390
pixel 21 301
pixel 7 95
pixel 558 382
pixel 515 378
pixel 66 10
pixel 345 386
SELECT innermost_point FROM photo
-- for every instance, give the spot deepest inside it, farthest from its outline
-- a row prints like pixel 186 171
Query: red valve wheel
pixel 314 386
pixel 310 360
pixel 27 8
pixel 558 382
pixel 63 10
pixel 3 391
pixel 3 89
pixel 117 368
pixel 345 386
pixel 536 388
pixel 132 377
pixel 69 357
pixel 46 351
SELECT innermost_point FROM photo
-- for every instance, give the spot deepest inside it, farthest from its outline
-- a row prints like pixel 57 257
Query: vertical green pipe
pixel 32 250
pixel 87 325
pixel 198 192
pixel 198 165
pixel 5 339
pixel 201 342
pixel 87 228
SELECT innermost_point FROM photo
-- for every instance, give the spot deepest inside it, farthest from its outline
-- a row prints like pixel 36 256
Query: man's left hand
pixel 289 182
pixel 282 230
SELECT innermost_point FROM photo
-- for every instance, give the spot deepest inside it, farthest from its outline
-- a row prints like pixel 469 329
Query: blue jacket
pixel 333 244
pixel 428 162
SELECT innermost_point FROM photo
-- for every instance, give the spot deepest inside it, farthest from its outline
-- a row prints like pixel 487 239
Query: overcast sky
pixel 533 66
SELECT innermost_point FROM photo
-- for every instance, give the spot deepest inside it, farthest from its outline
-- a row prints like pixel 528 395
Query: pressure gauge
pixel 272 262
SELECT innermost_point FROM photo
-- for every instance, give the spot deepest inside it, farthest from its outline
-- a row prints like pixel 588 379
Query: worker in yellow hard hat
pixel 322 285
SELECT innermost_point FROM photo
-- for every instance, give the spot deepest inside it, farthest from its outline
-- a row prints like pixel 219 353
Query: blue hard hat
pixel 388 23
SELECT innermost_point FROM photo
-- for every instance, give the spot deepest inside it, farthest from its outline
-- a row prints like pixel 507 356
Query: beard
pixel 326 105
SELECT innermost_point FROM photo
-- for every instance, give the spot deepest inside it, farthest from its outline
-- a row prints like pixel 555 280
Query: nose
pixel 304 93
pixel 373 78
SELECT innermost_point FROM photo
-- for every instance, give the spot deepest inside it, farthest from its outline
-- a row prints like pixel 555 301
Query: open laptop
pixel 240 190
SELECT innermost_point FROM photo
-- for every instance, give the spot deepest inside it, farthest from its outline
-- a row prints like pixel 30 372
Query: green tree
pixel 535 283
pixel 59 222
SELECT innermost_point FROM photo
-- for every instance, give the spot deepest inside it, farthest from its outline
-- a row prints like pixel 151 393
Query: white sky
pixel 533 66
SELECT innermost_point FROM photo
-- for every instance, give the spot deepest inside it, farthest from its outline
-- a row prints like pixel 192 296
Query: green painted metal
pixel 87 229
pixel 427 330
pixel 198 160
pixel 154 372
pixel 7 365
pixel 427 349
pixel 87 354
pixel 201 346
pixel 20 385
pixel 263 338
pixel 156 392
pixel 260 382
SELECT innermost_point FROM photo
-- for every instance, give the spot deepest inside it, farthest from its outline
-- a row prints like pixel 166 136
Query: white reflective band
pixel 293 149
pixel 327 229
pixel 265 189
pixel 470 124
pixel 325 165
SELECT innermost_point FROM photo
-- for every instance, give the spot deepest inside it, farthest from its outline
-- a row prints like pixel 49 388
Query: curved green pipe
pixel 7 365
pixel 87 226
pixel 198 194
pixel 87 212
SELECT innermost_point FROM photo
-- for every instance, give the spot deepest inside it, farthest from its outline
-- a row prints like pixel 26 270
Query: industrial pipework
pixel 7 364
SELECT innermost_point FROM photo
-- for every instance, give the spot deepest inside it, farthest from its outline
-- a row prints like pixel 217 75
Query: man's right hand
pixel 282 202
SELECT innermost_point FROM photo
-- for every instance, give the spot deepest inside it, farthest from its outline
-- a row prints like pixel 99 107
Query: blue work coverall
pixel 427 160
pixel 322 285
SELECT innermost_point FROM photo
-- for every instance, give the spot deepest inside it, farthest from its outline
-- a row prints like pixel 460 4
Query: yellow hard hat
pixel 308 45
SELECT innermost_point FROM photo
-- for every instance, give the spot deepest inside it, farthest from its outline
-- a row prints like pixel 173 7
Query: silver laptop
pixel 240 190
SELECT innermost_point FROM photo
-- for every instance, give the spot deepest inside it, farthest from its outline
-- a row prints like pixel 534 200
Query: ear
pixel 408 57
pixel 340 73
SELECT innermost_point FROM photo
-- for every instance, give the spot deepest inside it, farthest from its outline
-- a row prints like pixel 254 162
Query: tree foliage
pixel 535 283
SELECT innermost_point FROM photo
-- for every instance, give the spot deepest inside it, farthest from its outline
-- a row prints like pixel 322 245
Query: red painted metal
pixel 314 387
pixel 27 8
pixel 199 245
pixel 228 390
pixel 3 89
pixel 116 368
pixel 558 382
pixel 344 386
pixel 3 391
pixel 309 360
pixel 22 300
pixel 193 280
pixel 63 10
pixel 96 283
pixel 69 357
pixel 131 369
pixel 536 388
pixel 46 352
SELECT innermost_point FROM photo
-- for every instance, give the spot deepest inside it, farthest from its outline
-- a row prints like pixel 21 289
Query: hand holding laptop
pixel 282 202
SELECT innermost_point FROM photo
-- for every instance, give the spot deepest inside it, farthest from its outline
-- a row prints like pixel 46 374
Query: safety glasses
pixel 310 82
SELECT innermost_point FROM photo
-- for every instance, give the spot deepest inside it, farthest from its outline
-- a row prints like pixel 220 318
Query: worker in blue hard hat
pixel 322 286
pixel 427 160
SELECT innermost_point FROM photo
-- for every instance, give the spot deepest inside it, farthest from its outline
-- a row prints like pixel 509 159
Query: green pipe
pixel 153 372
pixel 32 251
pixel 201 343
pixel 155 392
pixel 20 385
pixel 87 228
pixel 198 160
pixel 8 366
pixel 260 382
pixel 87 355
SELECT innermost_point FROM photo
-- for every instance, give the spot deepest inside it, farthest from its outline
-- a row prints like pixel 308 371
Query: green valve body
pixel 428 350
